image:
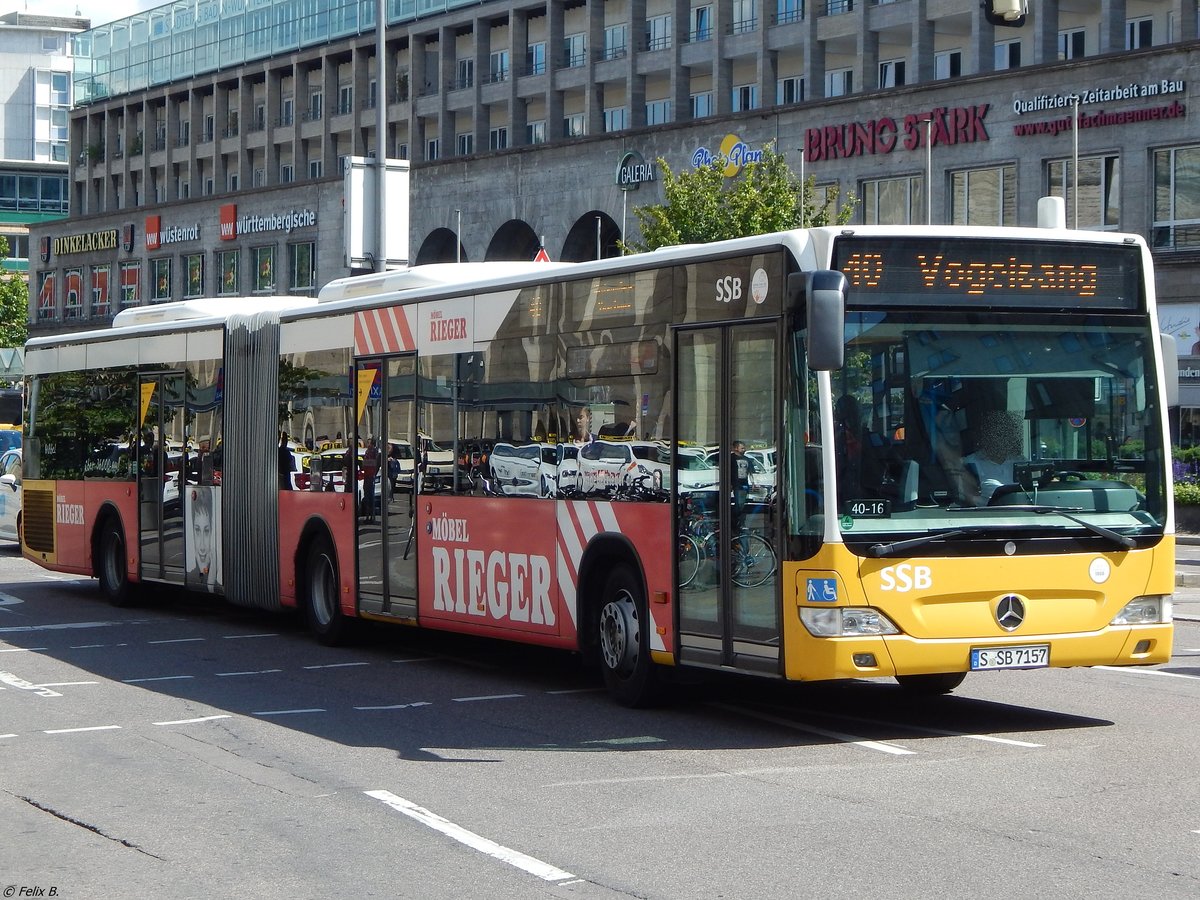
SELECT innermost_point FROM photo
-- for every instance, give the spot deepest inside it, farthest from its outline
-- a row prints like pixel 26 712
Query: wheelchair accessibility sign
pixel 822 590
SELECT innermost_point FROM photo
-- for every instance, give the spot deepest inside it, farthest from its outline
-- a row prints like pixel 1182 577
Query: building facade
pixel 36 68
pixel 208 146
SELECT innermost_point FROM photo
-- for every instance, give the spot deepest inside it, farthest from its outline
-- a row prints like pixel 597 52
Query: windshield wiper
pixel 898 546
pixel 1066 512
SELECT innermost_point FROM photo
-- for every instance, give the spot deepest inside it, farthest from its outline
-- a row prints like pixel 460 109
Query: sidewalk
pixel 1186 604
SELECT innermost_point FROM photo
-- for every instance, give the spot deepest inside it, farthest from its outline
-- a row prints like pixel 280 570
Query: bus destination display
pixel 913 271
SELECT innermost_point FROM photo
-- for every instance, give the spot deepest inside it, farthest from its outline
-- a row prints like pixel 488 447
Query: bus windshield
pixel 968 421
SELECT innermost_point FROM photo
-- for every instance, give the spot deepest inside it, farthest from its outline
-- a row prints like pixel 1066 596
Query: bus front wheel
pixel 931 685
pixel 110 565
pixel 624 641
pixel 323 609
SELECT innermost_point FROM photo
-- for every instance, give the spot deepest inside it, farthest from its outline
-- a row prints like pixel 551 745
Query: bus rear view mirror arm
pixel 824 294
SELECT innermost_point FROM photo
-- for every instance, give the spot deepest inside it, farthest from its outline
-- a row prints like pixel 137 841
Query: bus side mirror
pixel 1006 13
pixel 824 294
pixel 1170 357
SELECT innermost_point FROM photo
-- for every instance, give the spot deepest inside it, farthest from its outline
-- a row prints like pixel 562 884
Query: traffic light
pixel 1006 13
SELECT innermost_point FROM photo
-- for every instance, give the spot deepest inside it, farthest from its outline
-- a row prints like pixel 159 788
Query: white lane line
pixel 9 599
pixel 975 737
pixel 397 705
pixel 160 678
pixel 193 721
pixel 1135 671
pixel 94 646
pixel 417 659
pixel 64 626
pixel 490 697
pixel 7 735
pixel 20 683
pixel 177 641
pixel 345 665
pixel 285 712
pixel 515 858
pixel 77 730
pixel 242 637
pixel 259 672
pixel 65 683
pixel 577 691
pixel 21 649
pixel 881 746
pixel 643 779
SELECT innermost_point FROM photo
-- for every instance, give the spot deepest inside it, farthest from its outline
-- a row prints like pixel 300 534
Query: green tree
pixel 703 205
pixel 14 304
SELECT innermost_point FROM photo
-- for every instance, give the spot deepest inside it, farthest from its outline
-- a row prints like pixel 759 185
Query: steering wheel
pixel 1062 475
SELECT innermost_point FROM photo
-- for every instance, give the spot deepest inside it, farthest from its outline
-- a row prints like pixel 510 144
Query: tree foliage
pixel 703 205
pixel 14 304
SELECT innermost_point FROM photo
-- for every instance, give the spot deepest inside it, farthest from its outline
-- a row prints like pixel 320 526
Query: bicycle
pixel 752 556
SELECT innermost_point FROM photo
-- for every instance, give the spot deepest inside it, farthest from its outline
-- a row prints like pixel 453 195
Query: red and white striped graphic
pixel 384 330
pixel 579 522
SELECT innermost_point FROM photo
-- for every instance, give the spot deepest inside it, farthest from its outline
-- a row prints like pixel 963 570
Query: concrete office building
pixel 36 73
pixel 210 137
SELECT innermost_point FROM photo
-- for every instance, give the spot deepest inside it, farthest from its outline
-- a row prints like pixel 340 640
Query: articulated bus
pixel 958 443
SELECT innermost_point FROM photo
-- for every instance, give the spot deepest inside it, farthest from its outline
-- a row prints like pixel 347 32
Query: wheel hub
pixel 620 637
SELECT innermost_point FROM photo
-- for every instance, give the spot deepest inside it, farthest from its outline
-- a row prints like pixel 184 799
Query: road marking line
pixel 397 705
pixel 1134 671
pixel 77 730
pixel 515 858
pixel 490 697
pixel 160 678
pixel 259 672
pixel 881 746
pixel 63 626
pixel 177 641
pixel 65 683
pixel 240 637
pixel 417 659
pixel 975 737
pixel 285 712
pixel 21 684
pixel 21 649
pixel 193 721
pixel 578 691
pixel 345 665
pixel 7 735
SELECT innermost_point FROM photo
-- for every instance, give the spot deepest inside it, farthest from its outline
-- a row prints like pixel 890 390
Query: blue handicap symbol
pixel 822 590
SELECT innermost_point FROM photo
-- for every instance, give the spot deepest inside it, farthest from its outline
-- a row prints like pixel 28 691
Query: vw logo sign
pixel 1010 612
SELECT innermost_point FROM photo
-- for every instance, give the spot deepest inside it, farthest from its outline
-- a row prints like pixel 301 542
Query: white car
pixel 10 495
pixel 605 466
pixel 526 470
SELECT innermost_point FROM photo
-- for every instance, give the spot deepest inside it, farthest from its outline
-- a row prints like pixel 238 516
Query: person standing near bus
pixel 370 467
pixel 739 479
pixel 285 463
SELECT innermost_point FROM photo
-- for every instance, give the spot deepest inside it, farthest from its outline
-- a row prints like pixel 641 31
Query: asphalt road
pixel 186 751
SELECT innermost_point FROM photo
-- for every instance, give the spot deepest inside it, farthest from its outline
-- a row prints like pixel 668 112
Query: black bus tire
pixel 110 565
pixel 623 639
pixel 322 600
pixel 931 685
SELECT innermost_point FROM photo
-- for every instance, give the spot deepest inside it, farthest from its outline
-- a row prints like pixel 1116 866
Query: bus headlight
pixel 1145 611
pixel 845 621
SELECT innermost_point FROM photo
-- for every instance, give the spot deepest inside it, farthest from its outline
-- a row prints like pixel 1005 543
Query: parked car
pixel 525 470
pixel 10 495
pixel 605 466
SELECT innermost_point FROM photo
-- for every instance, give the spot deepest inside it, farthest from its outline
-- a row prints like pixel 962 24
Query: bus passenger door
pixel 387 557
pixel 160 477
pixel 727 577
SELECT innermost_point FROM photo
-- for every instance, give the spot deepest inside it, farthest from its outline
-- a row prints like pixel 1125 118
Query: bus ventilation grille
pixel 37 520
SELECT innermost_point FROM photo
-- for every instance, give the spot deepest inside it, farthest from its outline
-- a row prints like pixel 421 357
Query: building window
pixel 658 112
pixel 745 19
pixel 839 82
pixel 263 259
pixel 433 148
pixel 1099 206
pixel 1071 43
pixel 745 96
pixel 345 99
pixel 1139 33
pixel 302 263
pixel 658 33
pixel 316 168
pixel 573 126
pixel 1177 198
pixel 160 279
pixel 287 111
pixel 891 73
pixel 788 11
pixel 287 173
pixel 789 90
pixel 947 64
pixel 574 50
pixel 47 307
pixel 498 138
pixel 616 38
pixel 616 119
pixel 227 265
pixel 702 104
pixel 535 132
pixel 984 196
pixel 193 268
pixel 209 186
pixel 466 143
pixel 131 284
pixel 535 58
pixel 894 201
pixel 101 296
pixel 1008 54
pixel 316 106
pixel 701 24
pixel 465 77
pixel 498 66
pixel 73 294
pixel 233 181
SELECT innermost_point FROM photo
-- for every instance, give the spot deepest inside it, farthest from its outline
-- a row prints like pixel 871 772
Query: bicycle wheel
pixel 689 559
pixel 753 560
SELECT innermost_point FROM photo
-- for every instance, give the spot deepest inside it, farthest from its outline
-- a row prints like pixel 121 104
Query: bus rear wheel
pixel 110 565
pixel 624 641
pixel 931 685
pixel 323 607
